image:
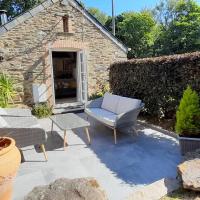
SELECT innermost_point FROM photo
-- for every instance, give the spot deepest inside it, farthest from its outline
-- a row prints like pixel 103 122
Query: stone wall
pixel 25 49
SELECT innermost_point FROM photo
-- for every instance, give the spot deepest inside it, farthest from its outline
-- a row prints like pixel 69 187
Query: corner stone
pixel 189 171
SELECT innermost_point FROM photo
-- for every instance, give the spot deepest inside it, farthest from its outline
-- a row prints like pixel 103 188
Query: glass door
pixel 82 92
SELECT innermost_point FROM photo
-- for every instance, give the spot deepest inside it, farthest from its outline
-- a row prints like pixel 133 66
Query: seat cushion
pixel 22 122
pixel 18 112
pixel 110 102
pixel 126 104
pixel 102 115
pixel 3 123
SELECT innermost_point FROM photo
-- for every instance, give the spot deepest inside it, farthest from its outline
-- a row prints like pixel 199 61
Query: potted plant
pixel 9 163
pixel 188 121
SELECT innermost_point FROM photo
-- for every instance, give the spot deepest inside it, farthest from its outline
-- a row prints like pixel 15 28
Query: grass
pixel 182 194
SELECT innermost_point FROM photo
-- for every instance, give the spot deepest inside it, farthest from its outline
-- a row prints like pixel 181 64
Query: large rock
pixel 189 171
pixel 66 189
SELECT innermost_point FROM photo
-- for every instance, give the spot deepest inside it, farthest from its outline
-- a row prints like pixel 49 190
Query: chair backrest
pixel 118 104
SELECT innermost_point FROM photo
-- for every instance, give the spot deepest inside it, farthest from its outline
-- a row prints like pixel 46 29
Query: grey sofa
pixel 22 126
pixel 115 111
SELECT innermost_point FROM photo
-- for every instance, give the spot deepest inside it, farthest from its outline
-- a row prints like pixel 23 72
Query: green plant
pixel 7 90
pixel 42 110
pixel 188 114
pixel 159 81
pixel 103 90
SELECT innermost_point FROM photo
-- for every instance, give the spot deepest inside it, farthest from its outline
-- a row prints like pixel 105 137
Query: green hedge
pixel 158 81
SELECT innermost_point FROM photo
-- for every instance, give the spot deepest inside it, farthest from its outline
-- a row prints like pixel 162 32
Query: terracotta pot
pixel 10 159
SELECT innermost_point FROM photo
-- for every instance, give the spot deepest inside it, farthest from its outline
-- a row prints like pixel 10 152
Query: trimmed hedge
pixel 158 81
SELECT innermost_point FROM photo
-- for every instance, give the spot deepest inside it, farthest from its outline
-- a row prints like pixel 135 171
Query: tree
pixel 164 12
pixel 15 7
pixel 179 23
pixel 118 19
pixel 136 31
pixel 188 114
pixel 99 15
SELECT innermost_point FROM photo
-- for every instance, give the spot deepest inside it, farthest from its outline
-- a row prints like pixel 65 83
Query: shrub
pixel 188 114
pixel 159 81
pixel 103 90
pixel 7 91
pixel 42 110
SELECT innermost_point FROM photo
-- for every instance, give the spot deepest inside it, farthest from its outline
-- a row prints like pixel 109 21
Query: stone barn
pixel 57 52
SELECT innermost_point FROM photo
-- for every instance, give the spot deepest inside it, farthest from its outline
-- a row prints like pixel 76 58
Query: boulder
pixel 189 171
pixel 67 189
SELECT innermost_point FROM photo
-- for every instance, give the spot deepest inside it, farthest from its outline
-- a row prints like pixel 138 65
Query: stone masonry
pixel 25 48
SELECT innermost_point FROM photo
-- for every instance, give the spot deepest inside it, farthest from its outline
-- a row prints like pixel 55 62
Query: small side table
pixel 70 121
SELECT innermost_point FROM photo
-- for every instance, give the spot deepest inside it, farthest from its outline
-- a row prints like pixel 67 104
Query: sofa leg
pixel 135 130
pixel 44 152
pixel 115 135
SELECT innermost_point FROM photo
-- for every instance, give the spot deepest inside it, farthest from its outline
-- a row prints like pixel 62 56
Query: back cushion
pixel 3 123
pixel 126 104
pixel 110 102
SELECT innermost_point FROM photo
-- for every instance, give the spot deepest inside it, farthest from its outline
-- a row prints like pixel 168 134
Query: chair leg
pixel 65 140
pixel 44 152
pixel 22 156
pixel 115 135
pixel 88 135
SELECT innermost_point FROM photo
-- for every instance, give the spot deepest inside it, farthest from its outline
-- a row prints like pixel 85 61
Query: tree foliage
pixel 136 32
pixel 179 23
pixel 172 27
pixel 99 15
pixel 16 7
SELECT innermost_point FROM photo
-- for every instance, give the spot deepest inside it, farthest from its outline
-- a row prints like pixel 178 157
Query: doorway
pixel 65 76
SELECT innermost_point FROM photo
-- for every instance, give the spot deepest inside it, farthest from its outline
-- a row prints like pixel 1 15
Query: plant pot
pixel 10 159
pixel 189 144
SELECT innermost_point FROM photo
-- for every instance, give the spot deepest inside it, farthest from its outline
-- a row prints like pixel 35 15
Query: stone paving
pixel 120 169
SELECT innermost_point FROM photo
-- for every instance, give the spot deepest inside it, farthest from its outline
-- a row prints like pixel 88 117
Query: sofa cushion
pixel 102 115
pixel 126 104
pixel 3 123
pixel 110 102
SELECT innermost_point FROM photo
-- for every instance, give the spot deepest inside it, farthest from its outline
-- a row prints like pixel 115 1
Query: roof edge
pixel 101 26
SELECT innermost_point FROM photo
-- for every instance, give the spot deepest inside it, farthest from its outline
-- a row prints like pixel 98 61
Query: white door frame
pixel 51 50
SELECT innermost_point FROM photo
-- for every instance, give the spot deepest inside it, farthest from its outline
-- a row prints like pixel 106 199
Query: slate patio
pixel 120 169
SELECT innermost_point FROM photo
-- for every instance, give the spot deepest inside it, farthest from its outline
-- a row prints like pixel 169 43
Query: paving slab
pixel 135 162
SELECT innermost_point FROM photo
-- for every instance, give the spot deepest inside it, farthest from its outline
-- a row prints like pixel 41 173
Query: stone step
pixel 69 109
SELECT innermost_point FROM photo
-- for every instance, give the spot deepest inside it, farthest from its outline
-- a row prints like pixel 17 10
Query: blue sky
pixel 122 5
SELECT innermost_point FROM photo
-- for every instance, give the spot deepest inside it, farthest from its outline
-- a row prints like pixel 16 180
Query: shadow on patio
pixel 135 159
